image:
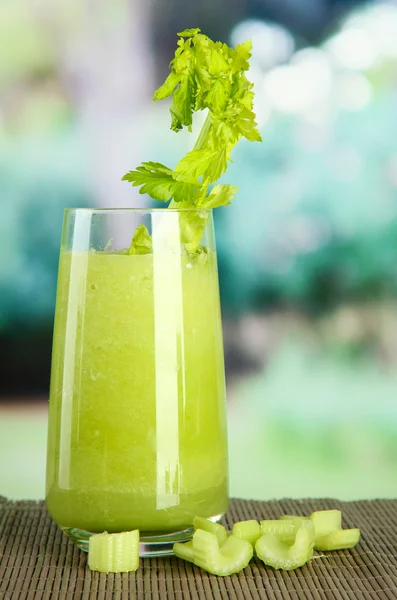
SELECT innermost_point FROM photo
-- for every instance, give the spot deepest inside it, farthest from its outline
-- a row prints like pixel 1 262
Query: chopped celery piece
pixel 232 557
pixel 326 521
pixel 184 551
pixel 304 539
pixel 247 530
pixel 297 520
pixel 338 540
pixel 283 530
pixel 114 553
pixel 328 531
pixel 141 242
pixel 211 527
pixel 281 555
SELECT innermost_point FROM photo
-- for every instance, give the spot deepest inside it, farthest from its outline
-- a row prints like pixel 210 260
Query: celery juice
pixel 137 428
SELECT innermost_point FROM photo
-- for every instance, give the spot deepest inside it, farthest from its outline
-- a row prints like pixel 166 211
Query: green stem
pixel 202 138
pixel 191 226
pixel 200 143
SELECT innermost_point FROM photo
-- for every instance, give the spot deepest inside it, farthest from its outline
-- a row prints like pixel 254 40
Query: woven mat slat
pixel 38 562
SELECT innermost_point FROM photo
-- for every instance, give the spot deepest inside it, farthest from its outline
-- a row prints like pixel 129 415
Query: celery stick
pixel 297 520
pixel 281 555
pixel 284 530
pixel 326 521
pixel 184 551
pixel 328 531
pixel 304 540
pixel 247 530
pixel 114 553
pixel 338 540
pixel 211 527
pixel 232 557
pixel 228 96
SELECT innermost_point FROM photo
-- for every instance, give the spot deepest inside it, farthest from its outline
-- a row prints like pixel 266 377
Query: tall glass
pixel 137 419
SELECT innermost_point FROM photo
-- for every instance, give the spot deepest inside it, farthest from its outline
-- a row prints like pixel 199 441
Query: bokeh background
pixel 307 252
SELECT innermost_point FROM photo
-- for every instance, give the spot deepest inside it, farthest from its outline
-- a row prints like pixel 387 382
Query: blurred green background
pixel 307 252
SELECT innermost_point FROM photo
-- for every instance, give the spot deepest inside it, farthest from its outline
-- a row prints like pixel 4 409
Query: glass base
pixel 151 543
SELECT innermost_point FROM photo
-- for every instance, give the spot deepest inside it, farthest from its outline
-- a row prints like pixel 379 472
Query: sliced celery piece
pixel 281 555
pixel 232 557
pixel 211 527
pixel 304 540
pixel 283 530
pixel 297 520
pixel 247 530
pixel 114 553
pixel 184 551
pixel 338 540
pixel 326 521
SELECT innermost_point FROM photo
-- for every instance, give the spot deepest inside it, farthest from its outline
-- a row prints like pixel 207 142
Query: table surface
pixel 38 561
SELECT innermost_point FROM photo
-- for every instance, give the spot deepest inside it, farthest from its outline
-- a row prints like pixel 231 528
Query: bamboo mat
pixel 37 561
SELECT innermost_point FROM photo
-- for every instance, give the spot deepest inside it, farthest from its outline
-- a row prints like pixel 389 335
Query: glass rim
pixel 136 210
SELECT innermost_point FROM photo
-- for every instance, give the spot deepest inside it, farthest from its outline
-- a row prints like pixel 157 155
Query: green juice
pixel 137 425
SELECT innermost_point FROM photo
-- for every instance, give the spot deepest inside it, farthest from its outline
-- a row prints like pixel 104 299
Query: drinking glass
pixel 137 418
